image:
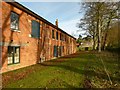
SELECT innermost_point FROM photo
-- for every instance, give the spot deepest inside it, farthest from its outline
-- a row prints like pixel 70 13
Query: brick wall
pixel 31 49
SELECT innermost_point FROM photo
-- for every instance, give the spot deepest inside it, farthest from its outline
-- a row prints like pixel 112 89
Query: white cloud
pixel 66 13
pixel 70 27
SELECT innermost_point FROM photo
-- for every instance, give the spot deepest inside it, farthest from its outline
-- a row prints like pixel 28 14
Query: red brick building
pixel 27 38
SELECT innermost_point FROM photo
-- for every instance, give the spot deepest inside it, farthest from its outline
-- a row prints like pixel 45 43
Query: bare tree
pixel 97 20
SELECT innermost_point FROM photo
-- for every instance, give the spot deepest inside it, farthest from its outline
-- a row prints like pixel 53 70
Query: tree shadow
pixel 41 52
pixel 86 72
pixel 39 43
pixel 58 83
pixel 4 26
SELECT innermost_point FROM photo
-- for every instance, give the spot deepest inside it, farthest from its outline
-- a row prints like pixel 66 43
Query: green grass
pixel 66 72
pixel 98 71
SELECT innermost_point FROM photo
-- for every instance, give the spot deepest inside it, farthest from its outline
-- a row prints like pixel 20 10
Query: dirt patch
pixel 57 82
pixel 87 83
pixel 11 76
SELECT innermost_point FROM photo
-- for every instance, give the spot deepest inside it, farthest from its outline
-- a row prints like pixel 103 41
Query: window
pixel 57 35
pixel 55 51
pixel 53 36
pixel 63 37
pixel 13 55
pixel 63 48
pixel 60 36
pixel 14 21
pixel 60 50
pixel 35 29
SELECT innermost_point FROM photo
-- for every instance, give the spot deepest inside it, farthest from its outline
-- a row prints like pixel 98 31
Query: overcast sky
pixel 67 14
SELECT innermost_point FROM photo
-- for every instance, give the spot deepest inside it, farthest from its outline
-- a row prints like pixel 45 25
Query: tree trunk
pixel 106 34
pixel 104 42
pixel 99 41
pixel 99 29
pixel 99 34
pixel 94 42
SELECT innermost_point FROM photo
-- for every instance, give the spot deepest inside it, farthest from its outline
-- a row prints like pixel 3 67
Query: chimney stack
pixel 56 22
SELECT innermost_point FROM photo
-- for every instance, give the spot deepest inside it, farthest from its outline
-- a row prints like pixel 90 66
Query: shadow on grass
pixel 72 67
pixel 66 67
pixel 86 72
pixel 57 82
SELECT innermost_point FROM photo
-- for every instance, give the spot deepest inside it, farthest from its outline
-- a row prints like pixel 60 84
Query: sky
pixel 67 14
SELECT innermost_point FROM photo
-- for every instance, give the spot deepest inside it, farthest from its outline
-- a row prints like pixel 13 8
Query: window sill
pixel 16 31
pixel 14 64
pixel 34 37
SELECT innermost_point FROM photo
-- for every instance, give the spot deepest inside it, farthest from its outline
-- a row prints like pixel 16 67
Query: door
pixel 13 55
pixel 60 50
pixel 55 51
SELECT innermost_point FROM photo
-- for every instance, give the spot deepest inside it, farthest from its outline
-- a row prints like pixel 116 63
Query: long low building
pixel 28 39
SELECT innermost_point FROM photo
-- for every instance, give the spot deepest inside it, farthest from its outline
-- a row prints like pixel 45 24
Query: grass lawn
pixel 80 70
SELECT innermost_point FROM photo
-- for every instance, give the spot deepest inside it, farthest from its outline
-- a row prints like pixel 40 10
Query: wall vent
pixel 42 59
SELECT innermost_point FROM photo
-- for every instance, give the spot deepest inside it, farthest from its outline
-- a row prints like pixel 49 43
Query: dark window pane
pixel 63 37
pixel 57 35
pixel 53 36
pixel 55 52
pixel 14 21
pixel 10 55
pixel 35 29
pixel 10 49
pixel 60 36
pixel 16 55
